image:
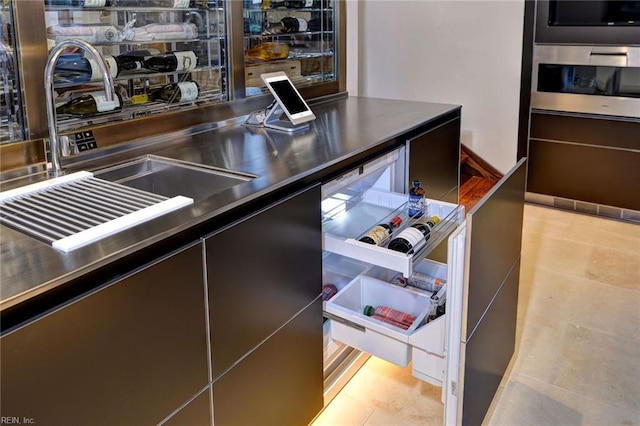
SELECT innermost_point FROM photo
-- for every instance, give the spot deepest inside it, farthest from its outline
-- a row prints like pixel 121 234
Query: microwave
pixel 592 22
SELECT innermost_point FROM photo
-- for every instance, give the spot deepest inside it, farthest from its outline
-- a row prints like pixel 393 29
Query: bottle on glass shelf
pixel 389 315
pixel 416 200
pixel 411 239
pixel 171 61
pixel 293 4
pixel 75 68
pixel 89 104
pixel 287 25
pixel 174 4
pixel 90 33
pixel 185 91
pixel 77 3
pixel 379 233
pixel 160 32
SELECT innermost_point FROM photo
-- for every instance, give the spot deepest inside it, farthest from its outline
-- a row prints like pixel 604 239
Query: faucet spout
pixel 54 141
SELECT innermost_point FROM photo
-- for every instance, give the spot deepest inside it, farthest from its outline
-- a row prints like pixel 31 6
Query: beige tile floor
pixel 577 359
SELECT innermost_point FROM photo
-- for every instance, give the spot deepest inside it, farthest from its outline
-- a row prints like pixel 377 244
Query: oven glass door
pixel 589 80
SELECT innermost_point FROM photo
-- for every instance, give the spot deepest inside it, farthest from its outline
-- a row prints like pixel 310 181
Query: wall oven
pixel 588 22
pixel 587 79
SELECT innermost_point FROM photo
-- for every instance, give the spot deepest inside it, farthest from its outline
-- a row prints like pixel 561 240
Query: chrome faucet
pixel 54 141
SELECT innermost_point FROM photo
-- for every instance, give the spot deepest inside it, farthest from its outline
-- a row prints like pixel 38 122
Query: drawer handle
pixel 344 321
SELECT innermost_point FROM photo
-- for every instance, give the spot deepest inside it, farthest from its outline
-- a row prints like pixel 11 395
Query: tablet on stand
pixel 290 113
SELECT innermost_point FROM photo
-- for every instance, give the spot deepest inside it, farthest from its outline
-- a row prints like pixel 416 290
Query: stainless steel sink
pixel 74 210
pixel 169 177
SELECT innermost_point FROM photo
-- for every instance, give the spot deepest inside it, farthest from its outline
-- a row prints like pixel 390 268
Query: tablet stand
pixel 272 121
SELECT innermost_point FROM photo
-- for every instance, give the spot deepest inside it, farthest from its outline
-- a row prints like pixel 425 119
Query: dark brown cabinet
pixel 585 158
pixel 195 413
pixel 130 353
pixel 434 159
pixel 264 278
pixel 280 382
pixel 262 271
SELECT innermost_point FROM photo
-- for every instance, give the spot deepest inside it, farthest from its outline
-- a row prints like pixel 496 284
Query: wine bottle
pixel 175 4
pixel 172 61
pixel 419 280
pixel 185 91
pixel 89 104
pixel 414 237
pixel 416 200
pixel 381 232
pixel 287 25
pixel 160 32
pixel 75 68
pixel 76 3
pixel 292 4
pixel 389 315
pixel 89 33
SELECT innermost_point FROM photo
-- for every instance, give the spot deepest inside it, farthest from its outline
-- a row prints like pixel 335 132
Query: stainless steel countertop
pixel 344 128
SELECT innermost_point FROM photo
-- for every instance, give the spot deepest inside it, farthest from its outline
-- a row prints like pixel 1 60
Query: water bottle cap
pixel 368 310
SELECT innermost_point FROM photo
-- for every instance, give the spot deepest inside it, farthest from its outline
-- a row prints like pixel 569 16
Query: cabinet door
pixel 434 159
pixel 261 271
pixel 483 321
pixel 128 354
pixel 280 382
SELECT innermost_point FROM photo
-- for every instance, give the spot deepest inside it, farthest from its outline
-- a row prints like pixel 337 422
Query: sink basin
pixel 74 210
pixel 169 177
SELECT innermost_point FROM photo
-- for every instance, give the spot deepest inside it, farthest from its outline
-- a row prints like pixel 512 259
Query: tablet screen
pixel 290 99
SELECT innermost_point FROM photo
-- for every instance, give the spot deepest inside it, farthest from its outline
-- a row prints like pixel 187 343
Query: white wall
pixel 449 51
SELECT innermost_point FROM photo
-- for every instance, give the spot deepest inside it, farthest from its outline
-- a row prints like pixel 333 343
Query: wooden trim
pixel 474 165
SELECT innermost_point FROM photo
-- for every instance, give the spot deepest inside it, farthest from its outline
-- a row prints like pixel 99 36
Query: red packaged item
pixel 389 315
pixel 328 291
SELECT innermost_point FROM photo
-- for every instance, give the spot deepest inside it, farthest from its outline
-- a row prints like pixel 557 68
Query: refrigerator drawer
pixel 341 232
pixel 393 343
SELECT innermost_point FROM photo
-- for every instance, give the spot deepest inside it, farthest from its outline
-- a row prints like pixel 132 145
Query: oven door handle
pixel 608 58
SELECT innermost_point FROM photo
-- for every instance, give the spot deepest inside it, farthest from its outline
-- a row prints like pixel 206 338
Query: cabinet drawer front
pixel 261 272
pixel 130 353
pixel 588 130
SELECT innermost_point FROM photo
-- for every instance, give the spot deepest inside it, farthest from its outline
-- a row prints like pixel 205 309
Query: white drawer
pixel 341 232
pixel 422 340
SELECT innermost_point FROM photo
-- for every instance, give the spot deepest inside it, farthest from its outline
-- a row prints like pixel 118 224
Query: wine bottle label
pixel 307 3
pixel 187 60
pixel 302 25
pixel 102 105
pixel 414 236
pixel 112 66
pixel 188 91
pixel 94 3
pixel 377 234
pixel 180 3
